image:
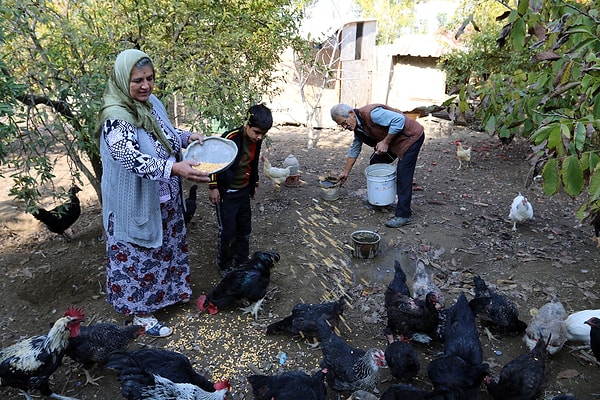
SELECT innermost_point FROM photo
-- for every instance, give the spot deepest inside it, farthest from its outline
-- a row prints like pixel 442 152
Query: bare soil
pixel 459 229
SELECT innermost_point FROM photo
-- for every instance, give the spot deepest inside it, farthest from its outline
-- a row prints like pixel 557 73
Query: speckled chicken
pixel 247 281
pixel 522 378
pixel 95 342
pixel 348 368
pixel 422 283
pixel 402 360
pixel 162 374
pixel 416 319
pixel 548 321
pixel 495 310
pixel 291 385
pixel 303 319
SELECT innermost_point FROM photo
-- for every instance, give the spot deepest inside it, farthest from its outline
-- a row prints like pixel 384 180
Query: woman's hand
pixel 185 170
pixel 196 136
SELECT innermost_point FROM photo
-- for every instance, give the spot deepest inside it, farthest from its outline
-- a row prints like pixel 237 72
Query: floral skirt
pixel 141 280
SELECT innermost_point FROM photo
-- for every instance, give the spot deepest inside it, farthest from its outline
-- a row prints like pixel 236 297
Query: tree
pixel 215 55
pixel 392 16
pixel 549 92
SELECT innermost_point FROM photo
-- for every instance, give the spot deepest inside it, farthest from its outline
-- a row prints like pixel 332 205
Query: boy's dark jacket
pixel 222 180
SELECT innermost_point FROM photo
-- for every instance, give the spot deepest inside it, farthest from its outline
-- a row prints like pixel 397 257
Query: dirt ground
pixel 459 229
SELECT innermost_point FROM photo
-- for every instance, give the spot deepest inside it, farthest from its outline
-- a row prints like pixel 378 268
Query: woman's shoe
pixel 152 326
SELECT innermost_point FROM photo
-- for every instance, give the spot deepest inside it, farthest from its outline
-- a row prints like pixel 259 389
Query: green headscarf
pixel 117 103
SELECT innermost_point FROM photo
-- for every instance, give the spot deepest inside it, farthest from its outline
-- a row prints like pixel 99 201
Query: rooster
pixel 274 174
pixel 95 342
pixel 162 374
pixel 60 218
pixel 349 368
pixel 291 385
pixel 247 281
pixel 190 204
pixel 520 210
pixel 463 154
pixel 28 364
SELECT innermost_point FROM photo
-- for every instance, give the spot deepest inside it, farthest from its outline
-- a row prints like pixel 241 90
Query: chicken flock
pixel 418 318
pixel 415 323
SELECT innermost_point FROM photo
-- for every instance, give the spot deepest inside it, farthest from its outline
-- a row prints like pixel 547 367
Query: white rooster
pixel 520 210
pixel 274 174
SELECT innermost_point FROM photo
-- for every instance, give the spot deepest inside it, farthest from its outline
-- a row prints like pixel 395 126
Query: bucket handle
pixel 387 154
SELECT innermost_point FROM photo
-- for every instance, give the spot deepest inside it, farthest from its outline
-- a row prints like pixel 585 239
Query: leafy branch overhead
pixel 215 58
pixel 541 81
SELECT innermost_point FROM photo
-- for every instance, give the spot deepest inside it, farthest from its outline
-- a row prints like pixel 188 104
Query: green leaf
pixel 542 134
pixel 594 185
pixel 550 177
pixel 572 176
pixel 579 136
pixel 490 124
pixel 555 137
pixel 518 33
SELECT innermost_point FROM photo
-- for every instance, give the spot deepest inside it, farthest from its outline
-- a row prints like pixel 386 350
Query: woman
pixel 147 251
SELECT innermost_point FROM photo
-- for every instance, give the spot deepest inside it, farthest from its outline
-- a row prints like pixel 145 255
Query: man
pixel 392 135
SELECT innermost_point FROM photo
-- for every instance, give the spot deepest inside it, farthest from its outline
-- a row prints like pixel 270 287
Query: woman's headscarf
pixel 117 103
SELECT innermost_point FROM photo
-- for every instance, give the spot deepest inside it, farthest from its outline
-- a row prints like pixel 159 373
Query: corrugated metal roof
pixel 421 45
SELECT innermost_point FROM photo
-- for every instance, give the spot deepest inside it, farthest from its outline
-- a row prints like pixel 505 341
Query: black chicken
pixel 160 375
pixel 60 218
pixel 348 368
pixel 409 392
pixel 522 378
pixel 460 370
pixel 461 337
pixel 402 360
pixel 594 324
pixel 247 281
pixel 303 320
pixel 190 204
pixel 292 385
pixel 416 319
pixel 495 310
pixel 95 342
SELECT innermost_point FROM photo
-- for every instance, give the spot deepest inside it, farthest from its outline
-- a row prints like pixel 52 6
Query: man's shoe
pixel 397 222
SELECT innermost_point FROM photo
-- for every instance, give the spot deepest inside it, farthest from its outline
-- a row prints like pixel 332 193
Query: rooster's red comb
pixel 224 384
pixel 75 312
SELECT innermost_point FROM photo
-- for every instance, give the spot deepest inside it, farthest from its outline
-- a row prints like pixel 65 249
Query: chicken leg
pixel 253 308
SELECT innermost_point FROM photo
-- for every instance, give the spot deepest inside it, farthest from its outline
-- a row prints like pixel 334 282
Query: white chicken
pixel 463 154
pixel 520 210
pixel 548 323
pixel 274 174
pixel 577 329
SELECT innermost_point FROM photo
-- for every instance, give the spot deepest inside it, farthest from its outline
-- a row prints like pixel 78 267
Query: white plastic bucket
pixel 381 184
